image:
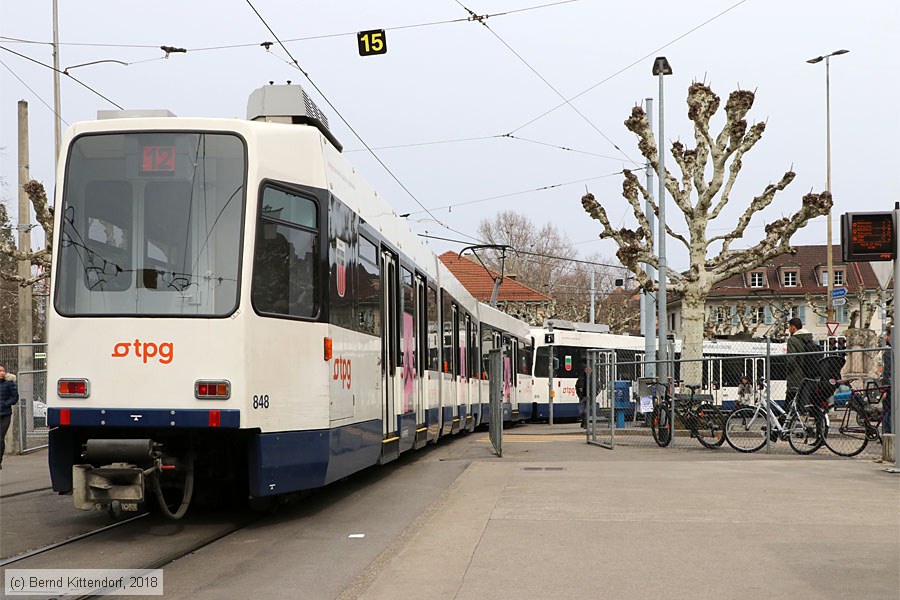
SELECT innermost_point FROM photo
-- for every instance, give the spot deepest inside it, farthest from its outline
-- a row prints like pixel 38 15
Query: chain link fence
pixel 28 363
pixel 743 391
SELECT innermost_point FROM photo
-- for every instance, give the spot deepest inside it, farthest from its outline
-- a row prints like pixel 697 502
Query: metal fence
pixel 691 407
pixel 28 362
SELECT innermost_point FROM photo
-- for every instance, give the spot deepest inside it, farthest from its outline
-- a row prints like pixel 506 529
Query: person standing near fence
pixel 581 385
pixel 886 373
pixel 800 341
pixel 9 395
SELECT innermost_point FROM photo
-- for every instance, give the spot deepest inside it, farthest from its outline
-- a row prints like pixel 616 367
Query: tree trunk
pixel 692 319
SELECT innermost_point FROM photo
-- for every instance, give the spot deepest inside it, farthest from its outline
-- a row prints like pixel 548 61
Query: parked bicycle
pixel 703 419
pixel 803 426
pixel 859 421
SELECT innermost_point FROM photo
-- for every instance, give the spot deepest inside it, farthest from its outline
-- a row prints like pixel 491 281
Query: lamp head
pixel 815 60
pixel 836 52
pixel 661 66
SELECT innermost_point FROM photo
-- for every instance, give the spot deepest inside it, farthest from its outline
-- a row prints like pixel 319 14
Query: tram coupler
pixel 121 478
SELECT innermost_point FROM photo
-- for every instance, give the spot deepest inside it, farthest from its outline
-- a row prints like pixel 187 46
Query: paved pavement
pixel 557 518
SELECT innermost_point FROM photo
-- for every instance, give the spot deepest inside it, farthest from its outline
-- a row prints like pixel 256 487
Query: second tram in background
pixel 565 345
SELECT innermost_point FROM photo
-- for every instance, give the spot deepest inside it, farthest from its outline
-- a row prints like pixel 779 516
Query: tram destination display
pixel 869 236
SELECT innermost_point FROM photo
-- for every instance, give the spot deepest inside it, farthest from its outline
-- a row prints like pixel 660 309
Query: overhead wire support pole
pixel 57 129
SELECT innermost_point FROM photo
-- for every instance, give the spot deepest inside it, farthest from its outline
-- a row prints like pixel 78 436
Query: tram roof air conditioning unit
pixel 288 104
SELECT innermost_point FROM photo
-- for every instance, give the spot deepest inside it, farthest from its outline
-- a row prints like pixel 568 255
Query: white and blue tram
pixel 565 345
pixel 233 306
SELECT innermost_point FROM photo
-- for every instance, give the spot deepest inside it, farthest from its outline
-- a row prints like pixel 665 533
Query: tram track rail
pixel 164 557
pixel 23 492
pixel 181 553
pixel 71 540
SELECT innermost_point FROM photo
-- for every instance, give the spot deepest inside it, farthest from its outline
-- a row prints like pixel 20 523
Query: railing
pixel 751 375
pixel 28 363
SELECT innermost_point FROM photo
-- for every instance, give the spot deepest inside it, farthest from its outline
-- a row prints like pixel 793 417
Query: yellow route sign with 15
pixel 371 42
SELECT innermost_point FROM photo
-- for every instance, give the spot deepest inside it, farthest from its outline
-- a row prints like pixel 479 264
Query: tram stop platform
pixel 558 518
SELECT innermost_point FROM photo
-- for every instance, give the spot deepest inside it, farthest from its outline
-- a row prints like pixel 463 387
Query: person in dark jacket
pixel 9 395
pixel 581 389
pixel 799 342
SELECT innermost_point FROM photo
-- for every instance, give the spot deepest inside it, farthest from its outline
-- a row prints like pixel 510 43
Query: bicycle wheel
pixel 806 431
pixel 746 429
pixel 849 436
pixel 660 425
pixel 710 426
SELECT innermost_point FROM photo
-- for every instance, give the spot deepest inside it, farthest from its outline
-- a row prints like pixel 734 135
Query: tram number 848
pixel 261 401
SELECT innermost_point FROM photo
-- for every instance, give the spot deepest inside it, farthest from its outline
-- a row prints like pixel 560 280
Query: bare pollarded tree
pixel 702 200
pixel 41 258
pixel 539 254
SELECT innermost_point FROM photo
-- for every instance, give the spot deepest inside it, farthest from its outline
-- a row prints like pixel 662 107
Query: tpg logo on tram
pixel 342 371
pixel 163 352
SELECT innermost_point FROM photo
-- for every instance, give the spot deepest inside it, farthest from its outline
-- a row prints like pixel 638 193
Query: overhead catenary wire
pixel 296 64
pixel 539 189
pixel 79 82
pixel 36 95
pixel 481 19
pixel 536 254
pixel 631 65
pixel 288 40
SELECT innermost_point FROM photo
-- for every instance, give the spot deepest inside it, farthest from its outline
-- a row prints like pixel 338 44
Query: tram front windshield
pixel 151 225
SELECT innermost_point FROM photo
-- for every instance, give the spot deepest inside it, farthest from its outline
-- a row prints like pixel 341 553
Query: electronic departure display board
pixel 868 236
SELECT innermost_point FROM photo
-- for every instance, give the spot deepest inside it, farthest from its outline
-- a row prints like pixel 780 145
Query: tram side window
pixel 434 345
pixel 524 364
pixel 369 286
pixel 447 334
pixel 542 361
pixel 342 264
pixel 487 344
pixel 107 206
pixel 461 340
pixel 407 326
pixel 474 354
pixel 285 280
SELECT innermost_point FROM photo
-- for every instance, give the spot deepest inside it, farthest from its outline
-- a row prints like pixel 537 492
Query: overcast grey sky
pixel 459 80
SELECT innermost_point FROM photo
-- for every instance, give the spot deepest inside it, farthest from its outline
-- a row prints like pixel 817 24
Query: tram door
pixel 390 343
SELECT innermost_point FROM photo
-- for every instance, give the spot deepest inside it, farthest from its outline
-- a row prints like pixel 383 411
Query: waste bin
pixel 622 395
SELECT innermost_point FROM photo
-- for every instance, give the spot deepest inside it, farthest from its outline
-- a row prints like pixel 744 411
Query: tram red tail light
pixel 329 347
pixel 73 388
pixel 212 390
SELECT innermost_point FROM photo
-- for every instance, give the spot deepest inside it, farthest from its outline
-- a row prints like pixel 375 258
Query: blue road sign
pixel 838 292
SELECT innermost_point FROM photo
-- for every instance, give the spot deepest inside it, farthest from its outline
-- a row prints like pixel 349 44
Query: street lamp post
pixel 662 68
pixel 829 250
pixel 648 302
